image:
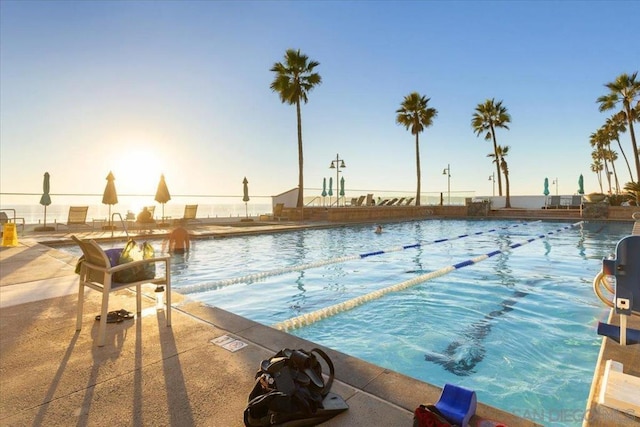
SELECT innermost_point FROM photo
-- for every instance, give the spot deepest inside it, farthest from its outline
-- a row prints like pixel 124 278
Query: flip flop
pixel 112 317
pixel 124 314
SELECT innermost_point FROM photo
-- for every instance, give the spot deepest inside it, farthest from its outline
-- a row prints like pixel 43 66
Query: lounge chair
pixel 400 201
pixel 392 201
pixel 4 218
pixel 277 212
pixel 554 203
pixel 383 203
pixel 408 202
pixel 77 218
pixel 96 272
pixel 360 200
pixel 576 202
pixel 190 212
pixel 370 201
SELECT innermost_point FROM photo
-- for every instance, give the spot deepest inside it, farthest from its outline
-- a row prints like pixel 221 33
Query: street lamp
pixel 447 171
pixel 337 164
pixel 555 182
pixel 492 177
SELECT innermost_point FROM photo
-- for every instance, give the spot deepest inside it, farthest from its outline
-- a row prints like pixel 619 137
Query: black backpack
pixel 290 391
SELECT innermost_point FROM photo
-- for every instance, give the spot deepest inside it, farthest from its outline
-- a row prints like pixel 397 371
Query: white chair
pixel 96 272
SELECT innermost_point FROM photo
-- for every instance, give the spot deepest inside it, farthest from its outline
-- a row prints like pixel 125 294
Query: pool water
pixel 517 327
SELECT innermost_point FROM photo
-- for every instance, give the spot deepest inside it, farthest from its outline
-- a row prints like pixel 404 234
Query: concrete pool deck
pixel 150 374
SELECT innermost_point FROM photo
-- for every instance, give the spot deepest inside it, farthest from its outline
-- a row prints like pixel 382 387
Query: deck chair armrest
pixel 132 264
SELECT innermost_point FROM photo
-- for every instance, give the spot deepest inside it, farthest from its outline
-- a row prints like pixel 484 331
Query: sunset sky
pixel 182 88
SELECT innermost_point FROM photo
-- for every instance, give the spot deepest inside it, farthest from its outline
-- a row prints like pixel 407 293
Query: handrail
pixel 312 200
pixel 122 221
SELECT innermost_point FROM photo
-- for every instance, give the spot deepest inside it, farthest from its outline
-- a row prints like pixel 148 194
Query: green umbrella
pixel 324 187
pixel 342 186
pixel 581 185
pixel 546 187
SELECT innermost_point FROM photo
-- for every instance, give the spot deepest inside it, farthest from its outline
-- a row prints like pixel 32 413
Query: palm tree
pixel 600 143
pixel 614 126
pixel 414 115
pixel 487 118
pixel 294 79
pixel 502 153
pixel 597 167
pixel 633 189
pixel 625 89
pixel 505 171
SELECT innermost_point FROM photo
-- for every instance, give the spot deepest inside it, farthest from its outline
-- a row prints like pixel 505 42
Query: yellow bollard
pixel 10 235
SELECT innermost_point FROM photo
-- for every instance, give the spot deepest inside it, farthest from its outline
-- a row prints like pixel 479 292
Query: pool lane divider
pixel 218 284
pixel 310 318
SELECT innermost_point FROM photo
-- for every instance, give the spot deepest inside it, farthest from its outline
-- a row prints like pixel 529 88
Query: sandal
pixel 112 317
pixel 124 314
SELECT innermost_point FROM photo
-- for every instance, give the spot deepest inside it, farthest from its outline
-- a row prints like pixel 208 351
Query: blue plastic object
pixel 626 269
pixel 457 404
pixel 613 332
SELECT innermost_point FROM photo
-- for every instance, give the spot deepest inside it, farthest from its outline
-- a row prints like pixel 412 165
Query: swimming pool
pixel 518 327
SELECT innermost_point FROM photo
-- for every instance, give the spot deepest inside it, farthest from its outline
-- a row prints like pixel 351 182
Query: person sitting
pixel 179 241
pixel 144 216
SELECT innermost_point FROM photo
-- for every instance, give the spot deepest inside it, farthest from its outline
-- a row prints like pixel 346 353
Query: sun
pixel 137 173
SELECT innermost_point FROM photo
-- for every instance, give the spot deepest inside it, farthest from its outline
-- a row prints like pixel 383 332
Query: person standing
pixel 179 241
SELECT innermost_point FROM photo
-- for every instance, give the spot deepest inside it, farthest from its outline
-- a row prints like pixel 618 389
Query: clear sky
pixel 182 88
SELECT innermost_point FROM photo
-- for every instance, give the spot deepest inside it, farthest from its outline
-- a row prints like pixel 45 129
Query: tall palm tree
pixel 601 143
pixel 486 119
pixel 625 90
pixel 597 167
pixel 614 126
pixel 294 79
pixel 503 151
pixel 505 171
pixel 414 115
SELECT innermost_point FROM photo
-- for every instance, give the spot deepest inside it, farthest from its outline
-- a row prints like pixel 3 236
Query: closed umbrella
pixel 162 194
pixel 324 187
pixel 330 193
pixel 581 185
pixel 245 196
pixel 342 186
pixel 45 201
pixel 110 197
pixel 546 190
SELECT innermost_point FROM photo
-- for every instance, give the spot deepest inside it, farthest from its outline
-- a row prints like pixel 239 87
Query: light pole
pixel 447 171
pixel 555 182
pixel 337 164
pixel 492 177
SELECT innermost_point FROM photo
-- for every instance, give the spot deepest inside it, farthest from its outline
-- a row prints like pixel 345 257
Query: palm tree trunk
pixel 633 142
pixel 497 158
pixel 615 176
pixel 508 198
pixel 300 202
pixel 625 159
pixel 418 170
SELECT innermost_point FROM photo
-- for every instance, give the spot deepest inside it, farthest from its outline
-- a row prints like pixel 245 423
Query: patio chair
pixel 576 202
pixel 408 202
pixel 77 218
pixel 360 200
pixel 277 212
pixel 190 212
pixel 97 269
pixel 4 218
pixel 554 203
pixel 370 201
